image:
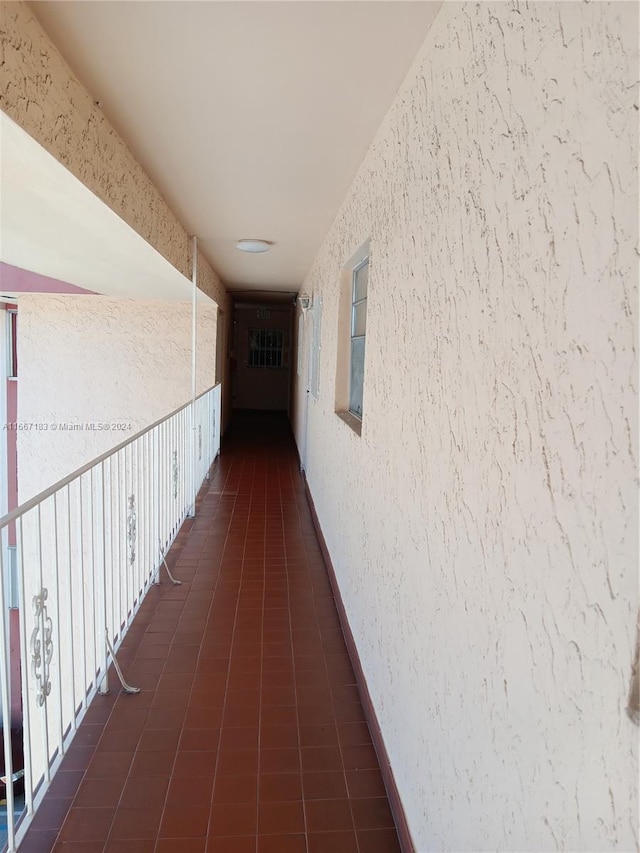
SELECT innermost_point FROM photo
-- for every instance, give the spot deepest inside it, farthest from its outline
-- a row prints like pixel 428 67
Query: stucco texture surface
pixel 91 359
pixel 40 92
pixel 483 527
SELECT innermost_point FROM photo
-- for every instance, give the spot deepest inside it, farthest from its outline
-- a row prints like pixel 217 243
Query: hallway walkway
pixel 248 735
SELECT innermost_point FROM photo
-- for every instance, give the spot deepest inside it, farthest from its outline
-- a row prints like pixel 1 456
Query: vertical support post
pixel 27 716
pixel 44 625
pixel 5 688
pixel 103 687
pixel 194 443
pixel 56 562
pixel 82 587
pixel 92 575
pixel 158 496
pixel 70 586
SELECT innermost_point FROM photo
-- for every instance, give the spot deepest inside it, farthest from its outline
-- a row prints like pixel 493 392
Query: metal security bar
pixel 87 551
pixel 266 347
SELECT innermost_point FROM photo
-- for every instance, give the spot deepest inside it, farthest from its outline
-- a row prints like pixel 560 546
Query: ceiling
pixel 250 117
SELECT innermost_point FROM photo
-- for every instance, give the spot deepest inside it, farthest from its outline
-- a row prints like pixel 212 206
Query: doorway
pixel 261 362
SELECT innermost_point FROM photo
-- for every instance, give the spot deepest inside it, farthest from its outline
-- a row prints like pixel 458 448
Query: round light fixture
pixel 253 246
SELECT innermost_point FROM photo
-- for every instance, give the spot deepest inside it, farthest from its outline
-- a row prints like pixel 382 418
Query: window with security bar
pixel 267 347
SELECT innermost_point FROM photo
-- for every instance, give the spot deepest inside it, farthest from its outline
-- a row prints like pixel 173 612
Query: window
pixel 266 347
pixel 352 331
pixel 12 343
pixel 359 283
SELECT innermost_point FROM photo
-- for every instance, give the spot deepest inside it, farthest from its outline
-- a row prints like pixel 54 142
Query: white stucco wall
pixel 95 359
pixel 484 528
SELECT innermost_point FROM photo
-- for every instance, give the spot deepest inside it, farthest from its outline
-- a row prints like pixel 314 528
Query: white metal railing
pixel 86 552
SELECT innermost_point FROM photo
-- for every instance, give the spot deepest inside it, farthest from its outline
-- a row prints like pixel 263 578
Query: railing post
pixel 193 486
pixel 24 667
pixel 72 652
pixel 5 686
pixel 104 684
pixel 83 603
pixel 43 637
pixel 56 551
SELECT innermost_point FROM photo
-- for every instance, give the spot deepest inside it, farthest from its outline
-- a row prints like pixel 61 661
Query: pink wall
pixel 16 280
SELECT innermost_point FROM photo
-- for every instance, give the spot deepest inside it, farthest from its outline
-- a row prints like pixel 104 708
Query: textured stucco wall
pixel 484 526
pixel 41 94
pixel 94 359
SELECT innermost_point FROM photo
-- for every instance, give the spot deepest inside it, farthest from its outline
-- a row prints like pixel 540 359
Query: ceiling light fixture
pixel 253 246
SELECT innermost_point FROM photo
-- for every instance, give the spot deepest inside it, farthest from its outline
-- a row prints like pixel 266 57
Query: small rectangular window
pixel 359 287
pixel 352 333
pixel 12 343
pixel 266 348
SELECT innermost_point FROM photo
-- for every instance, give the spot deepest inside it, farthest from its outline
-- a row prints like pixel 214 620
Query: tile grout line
pixel 182 729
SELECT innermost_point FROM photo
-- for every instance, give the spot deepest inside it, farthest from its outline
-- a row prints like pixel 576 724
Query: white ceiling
pixel 250 117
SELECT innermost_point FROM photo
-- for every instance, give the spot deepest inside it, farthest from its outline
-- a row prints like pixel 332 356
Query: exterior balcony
pixel 248 732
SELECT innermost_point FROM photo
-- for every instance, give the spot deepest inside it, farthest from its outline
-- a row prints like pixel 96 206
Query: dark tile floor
pixel 248 735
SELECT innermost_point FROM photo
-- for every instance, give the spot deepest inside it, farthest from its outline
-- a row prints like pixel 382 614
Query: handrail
pixel 76 562
pixel 34 501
